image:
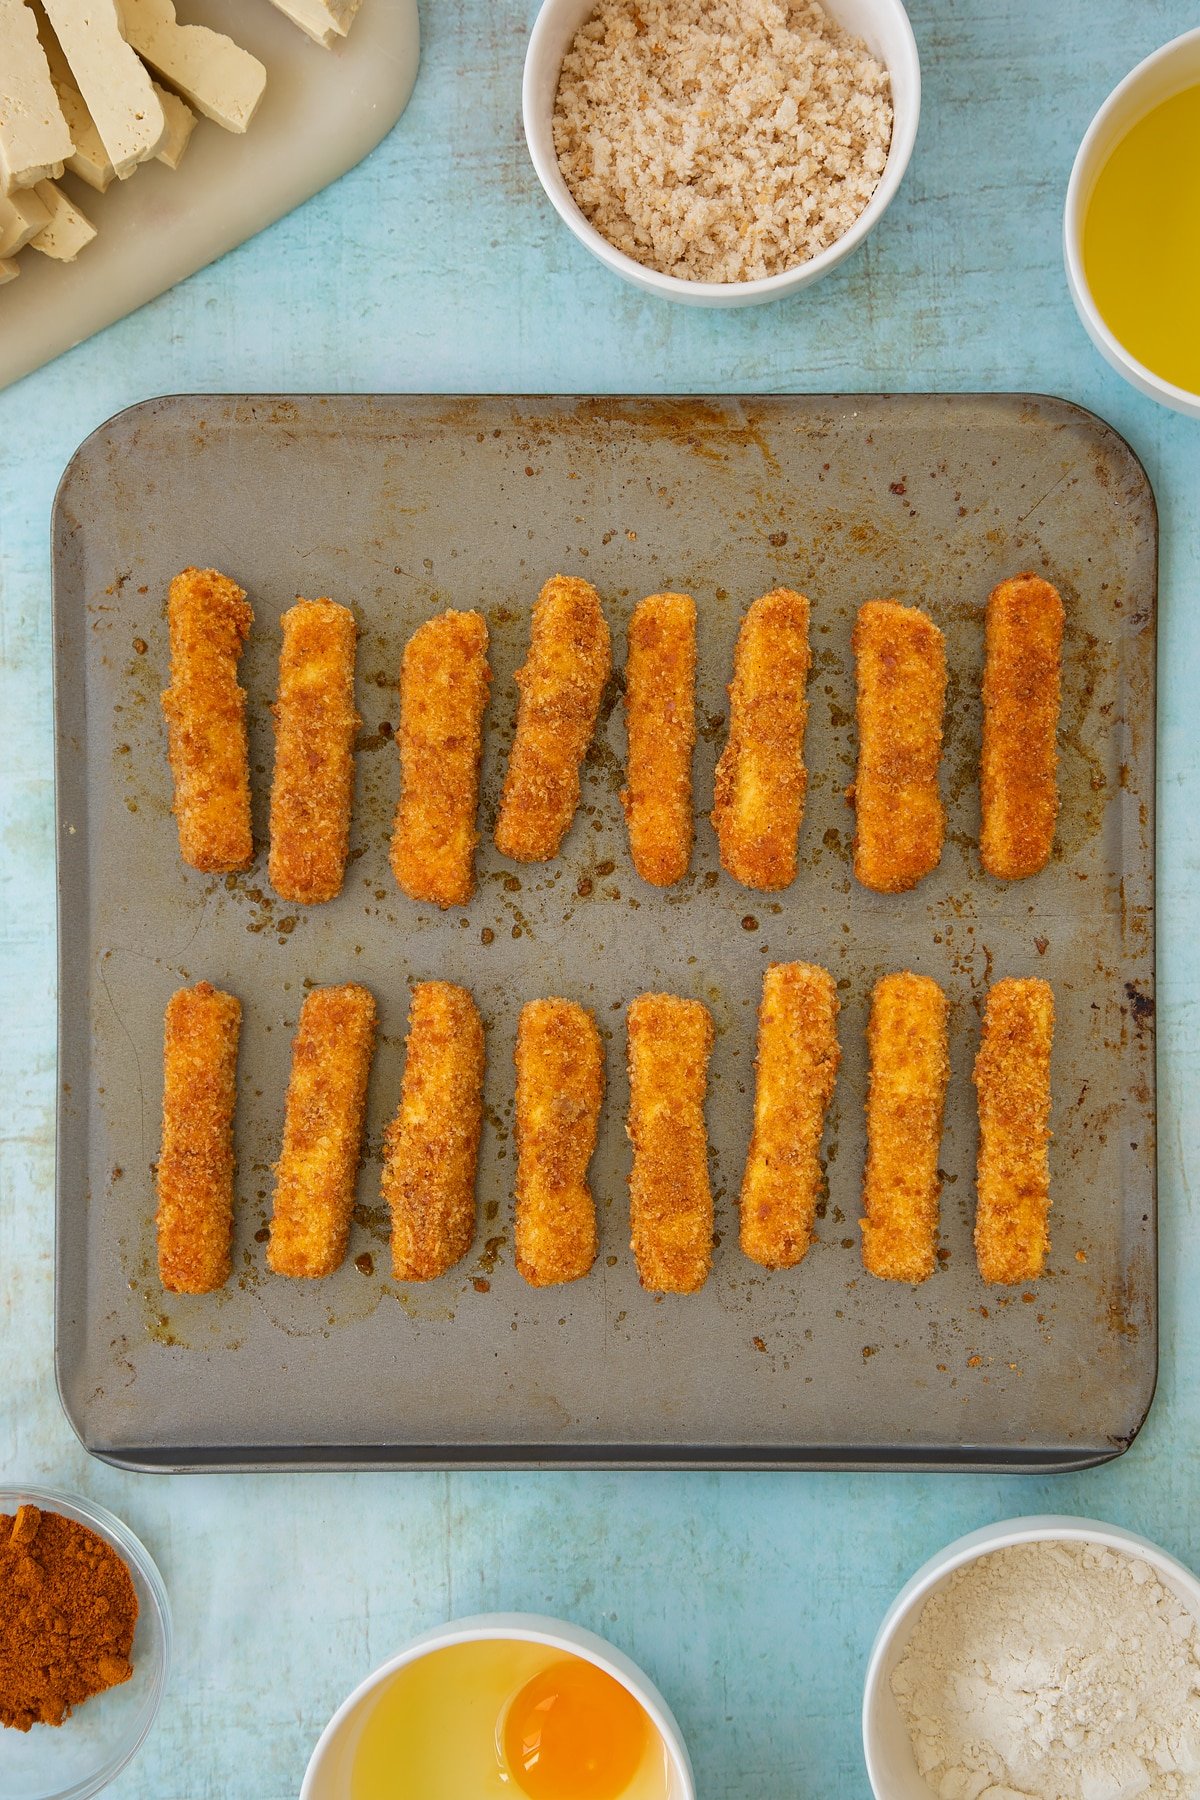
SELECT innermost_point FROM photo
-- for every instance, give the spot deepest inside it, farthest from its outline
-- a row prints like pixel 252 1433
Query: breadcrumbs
pixel 720 140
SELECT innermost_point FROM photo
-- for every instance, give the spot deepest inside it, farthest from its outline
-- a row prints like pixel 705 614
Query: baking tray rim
pixel 325 1458
pixel 652 1459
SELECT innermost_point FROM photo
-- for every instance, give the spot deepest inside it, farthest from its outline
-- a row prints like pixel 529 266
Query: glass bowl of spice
pixel 85 1644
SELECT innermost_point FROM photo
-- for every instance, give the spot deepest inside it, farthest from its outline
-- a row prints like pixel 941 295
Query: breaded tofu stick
pixel 900 820
pixel 210 620
pixel 761 781
pixel 1012 1082
pixel 1022 683
pixel 560 1089
pixel 195 1164
pixel 660 717
pixel 317 1170
pixel 315 729
pixel 797 1067
pixel 907 1038
pixel 432 1145
pixel 670 1201
pixel 561 686
pixel 444 679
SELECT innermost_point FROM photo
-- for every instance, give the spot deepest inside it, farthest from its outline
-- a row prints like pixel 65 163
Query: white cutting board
pixel 323 110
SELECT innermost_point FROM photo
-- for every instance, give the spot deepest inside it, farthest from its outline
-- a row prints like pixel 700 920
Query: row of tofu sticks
pixel 432 1144
pixel 761 778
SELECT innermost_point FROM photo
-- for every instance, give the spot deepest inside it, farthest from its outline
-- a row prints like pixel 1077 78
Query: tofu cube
pixel 22 216
pixel 69 230
pixel 219 79
pixel 115 85
pixel 323 20
pixel 35 140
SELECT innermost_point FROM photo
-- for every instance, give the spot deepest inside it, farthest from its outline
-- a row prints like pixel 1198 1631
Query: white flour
pixel 1054 1672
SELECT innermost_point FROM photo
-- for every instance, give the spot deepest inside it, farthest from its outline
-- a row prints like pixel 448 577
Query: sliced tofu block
pixel 89 159
pixel 69 230
pixel 221 80
pixel 22 216
pixel 323 20
pixel 115 85
pixel 181 122
pixel 8 270
pixel 35 140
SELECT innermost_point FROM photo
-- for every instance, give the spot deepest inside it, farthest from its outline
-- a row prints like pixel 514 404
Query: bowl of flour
pixel 1041 1659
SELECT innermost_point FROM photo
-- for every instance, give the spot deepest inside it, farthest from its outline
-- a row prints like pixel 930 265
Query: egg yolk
pixel 574 1733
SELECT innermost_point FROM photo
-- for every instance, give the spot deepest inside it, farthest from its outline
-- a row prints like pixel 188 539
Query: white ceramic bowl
pixel 79 1758
pixel 890 1762
pixel 326 1777
pixel 884 28
pixel 1166 72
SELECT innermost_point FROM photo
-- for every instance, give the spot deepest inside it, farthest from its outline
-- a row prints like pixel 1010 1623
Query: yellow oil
pixel 1141 241
pixel 505 1720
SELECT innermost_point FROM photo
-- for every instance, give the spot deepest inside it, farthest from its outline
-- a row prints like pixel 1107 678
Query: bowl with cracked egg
pixel 504 1704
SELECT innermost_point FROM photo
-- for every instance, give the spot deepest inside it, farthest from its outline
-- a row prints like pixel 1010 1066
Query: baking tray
pixel 402 506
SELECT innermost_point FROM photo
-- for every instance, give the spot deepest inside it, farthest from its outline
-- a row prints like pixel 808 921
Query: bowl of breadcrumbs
pixel 721 152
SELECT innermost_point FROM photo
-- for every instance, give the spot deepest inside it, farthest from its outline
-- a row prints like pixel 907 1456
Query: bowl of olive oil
pixel 1131 231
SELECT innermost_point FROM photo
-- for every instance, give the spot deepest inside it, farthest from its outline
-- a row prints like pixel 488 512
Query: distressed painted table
pixel 438 265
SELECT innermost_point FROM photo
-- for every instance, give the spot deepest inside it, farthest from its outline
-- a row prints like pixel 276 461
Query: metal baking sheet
pixel 402 506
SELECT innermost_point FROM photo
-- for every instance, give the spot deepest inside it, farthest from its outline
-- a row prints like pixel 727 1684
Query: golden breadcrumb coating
pixel 758 801
pixel 660 718
pixel 444 680
pixel 560 1089
pixel 315 729
pixel 209 619
pixel 317 1170
pixel 1022 683
pixel 798 1057
pixel 1012 1083
pixel 900 821
pixel 195 1164
pixel 432 1145
pixel 670 1201
pixel 907 1038
pixel 561 686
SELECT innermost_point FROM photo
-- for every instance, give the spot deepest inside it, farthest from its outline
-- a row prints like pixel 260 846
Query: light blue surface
pixel 439 265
